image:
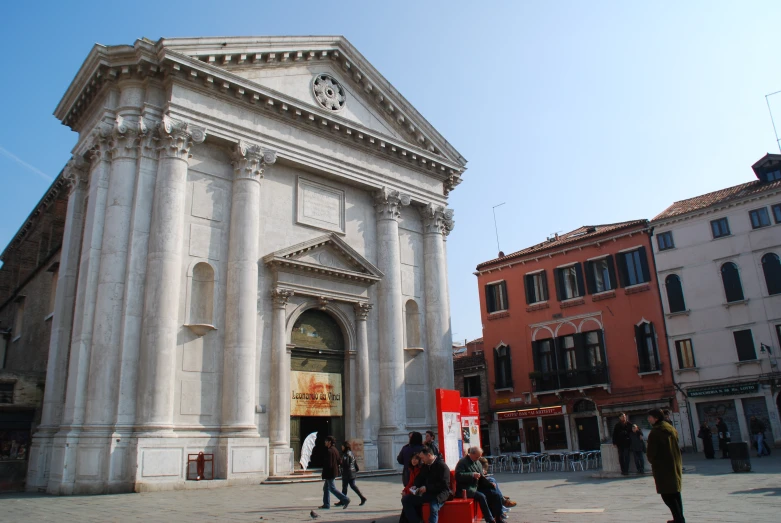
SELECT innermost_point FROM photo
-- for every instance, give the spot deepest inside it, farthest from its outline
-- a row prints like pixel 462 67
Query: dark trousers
pixel 490 502
pixel 351 483
pixel 624 456
pixel 724 446
pixel 675 504
pixel 639 462
pixel 413 507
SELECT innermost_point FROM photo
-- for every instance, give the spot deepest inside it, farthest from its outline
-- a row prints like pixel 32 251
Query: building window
pixel 778 334
pixel 496 297
pixel 569 282
pixel 646 347
pixel 634 267
pixel 720 228
pixel 771 266
pixel 600 275
pixel 665 241
pixel 19 317
pixel 570 357
pixel 674 293
pixel 594 349
pixel 471 386
pixel 744 343
pixel 536 287
pixel 759 218
pixel 545 355
pixel 53 292
pixel 685 354
pixel 6 392
pixel 773 176
pixel 730 277
pixel 504 366
pixel 777 212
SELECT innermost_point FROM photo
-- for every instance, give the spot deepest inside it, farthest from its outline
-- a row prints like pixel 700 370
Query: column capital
pixel 388 203
pixel 99 143
pixel 280 297
pixel 437 219
pixel 126 137
pixel 76 173
pixel 250 159
pixel 178 137
pixel 362 311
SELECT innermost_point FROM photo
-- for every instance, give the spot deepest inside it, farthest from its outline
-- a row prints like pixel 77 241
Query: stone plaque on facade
pixel 320 206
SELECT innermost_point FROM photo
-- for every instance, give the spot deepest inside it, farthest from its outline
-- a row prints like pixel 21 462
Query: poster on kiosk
pixel 458 424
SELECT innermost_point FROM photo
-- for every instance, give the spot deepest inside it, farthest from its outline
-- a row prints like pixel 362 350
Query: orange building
pixel 574 334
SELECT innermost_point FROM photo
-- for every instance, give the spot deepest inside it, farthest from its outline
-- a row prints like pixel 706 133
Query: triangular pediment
pixel 289 66
pixel 327 255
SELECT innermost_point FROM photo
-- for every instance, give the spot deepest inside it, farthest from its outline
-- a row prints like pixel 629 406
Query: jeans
pixel 639 462
pixel 490 502
pixel 624 455
pixel 675 504
pixel 499 492
pixel 330 487
pixel 760 439
pixel 351 483
pixel 412 507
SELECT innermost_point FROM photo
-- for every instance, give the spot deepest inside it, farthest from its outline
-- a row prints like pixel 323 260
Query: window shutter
pixel 528 283
pixel 536 356
pixel 622 270
pixel 581 358
pixel 579 276
pixel 544 278
pixel 559 284
pixel 771 266
pixel 639 344
pixel 744 342
pixel 655 344
pixel 506 300
pixel 489 298
pixel 680 356
pixel 601 336
pixel 644 264
pixel 611 269
pixel 592 285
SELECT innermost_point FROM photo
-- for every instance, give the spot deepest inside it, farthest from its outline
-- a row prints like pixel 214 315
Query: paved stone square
pixel 711 493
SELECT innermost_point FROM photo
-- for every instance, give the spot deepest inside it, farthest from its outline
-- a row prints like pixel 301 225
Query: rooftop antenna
pixel 767 101
pixel 496 228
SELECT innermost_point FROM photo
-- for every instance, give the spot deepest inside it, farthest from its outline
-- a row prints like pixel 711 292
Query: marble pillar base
pixel 40 459
pixel 370 457
pixel 62 467
pixel 242 459
pixel 389 446
pixel 281 461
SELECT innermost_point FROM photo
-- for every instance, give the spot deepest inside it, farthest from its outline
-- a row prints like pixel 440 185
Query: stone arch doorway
pixel 317 365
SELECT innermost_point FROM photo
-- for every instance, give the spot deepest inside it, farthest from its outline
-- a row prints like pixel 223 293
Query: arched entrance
pixel 317 361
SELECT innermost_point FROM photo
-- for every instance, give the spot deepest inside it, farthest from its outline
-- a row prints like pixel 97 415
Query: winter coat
pixel 404 457
pixel 436 479
pixel 433 447
pixel 413 475
pixel 665 458
pixel 724 437
pixel 621 435
pixel 331 466
pixel 757 427
pixel 348 465
pixel 637 443
pixel 465 468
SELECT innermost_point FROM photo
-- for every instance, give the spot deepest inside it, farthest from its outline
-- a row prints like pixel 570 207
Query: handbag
pixel 484 484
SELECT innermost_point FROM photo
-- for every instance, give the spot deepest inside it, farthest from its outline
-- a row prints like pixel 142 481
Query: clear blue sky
pixel 570 112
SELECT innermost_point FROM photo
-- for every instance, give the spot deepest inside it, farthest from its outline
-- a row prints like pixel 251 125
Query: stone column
pixel 279 412
pixel 157 360
pixel 241 310
pixel 77 174
pixel 102 390
pixel 364 385
pixel 439 340
pixel 391 326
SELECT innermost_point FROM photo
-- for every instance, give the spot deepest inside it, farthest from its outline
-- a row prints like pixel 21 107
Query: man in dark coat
pixel 429 442
pixel 724 438
pixel 758 435
pixel 664 454
pixel 469 470
pixel 432 487
pixel 622 441
pixel 330 471
pixel 706 436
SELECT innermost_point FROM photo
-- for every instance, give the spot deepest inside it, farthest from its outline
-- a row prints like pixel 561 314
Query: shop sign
pixel 723 390
pixel 315 394
pixel 529 413
pixel 502 401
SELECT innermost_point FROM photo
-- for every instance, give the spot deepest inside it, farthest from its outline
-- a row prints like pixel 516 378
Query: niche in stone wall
pixel 201 299
pixel 412 325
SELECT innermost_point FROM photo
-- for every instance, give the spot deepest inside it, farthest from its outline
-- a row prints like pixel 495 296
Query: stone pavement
pixel 711 493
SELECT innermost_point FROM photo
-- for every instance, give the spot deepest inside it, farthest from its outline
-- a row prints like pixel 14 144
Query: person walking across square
pixel 664 454
pixel 724 438
pixel 758 435
pixel 330 471
pixel 637 446
pixel 349 472
pixel 622 442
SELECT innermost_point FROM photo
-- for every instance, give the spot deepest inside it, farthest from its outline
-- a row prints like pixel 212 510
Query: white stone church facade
pixel 231 197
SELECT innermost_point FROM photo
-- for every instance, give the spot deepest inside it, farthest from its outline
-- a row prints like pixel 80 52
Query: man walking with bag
pixel 330 471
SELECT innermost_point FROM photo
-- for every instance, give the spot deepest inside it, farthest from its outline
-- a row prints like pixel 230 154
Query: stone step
pixel 310 476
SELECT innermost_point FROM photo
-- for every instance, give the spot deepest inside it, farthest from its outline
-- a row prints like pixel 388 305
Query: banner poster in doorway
pixel 315 394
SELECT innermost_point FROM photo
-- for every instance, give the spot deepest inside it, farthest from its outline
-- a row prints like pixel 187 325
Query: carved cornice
pixel 250 159
pixel 362 311
pixel 437 219
pixel 76 173
pixel 450 183
pixel 280 297
pixel 177 137
pixel 388 203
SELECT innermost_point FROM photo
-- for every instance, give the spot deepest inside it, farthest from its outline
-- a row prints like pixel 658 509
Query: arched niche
pixel 200 298
pixel 412 325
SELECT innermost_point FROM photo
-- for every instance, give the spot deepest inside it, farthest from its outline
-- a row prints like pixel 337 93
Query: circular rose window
pixel 328 92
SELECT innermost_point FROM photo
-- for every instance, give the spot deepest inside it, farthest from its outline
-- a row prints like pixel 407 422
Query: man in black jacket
pixel 330 471
pixel 622 441
pixel 724 437
pixel 758 435
pixel 433 487
pixel 430 442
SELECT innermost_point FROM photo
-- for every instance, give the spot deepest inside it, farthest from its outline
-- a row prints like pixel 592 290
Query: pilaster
pixel 279 408
pixel 370 454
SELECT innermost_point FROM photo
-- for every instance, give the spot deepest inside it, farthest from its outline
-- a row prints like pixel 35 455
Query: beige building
pixel 253 250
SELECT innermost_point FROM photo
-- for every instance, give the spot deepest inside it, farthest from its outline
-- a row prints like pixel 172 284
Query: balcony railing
pixel 571 379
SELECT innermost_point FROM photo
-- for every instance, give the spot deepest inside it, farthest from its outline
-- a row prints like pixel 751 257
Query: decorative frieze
pixel 388 203
pixel 176 138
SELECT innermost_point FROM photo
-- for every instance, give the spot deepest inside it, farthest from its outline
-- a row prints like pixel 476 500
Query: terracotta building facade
pixel 574 335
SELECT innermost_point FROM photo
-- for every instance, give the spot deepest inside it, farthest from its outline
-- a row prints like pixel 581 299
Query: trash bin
pixel 738 453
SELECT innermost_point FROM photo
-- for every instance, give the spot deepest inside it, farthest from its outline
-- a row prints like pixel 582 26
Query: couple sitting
pixel 432 486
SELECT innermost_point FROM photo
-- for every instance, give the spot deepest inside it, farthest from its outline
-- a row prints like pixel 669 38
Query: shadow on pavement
pixel 765 491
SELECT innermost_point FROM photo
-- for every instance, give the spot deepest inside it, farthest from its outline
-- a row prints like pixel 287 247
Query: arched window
pixel 675 293
pixel 772 269
pixel 731 279
pixel 412 317
pixel 316 329
pixel 503 367
pixel 202 295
